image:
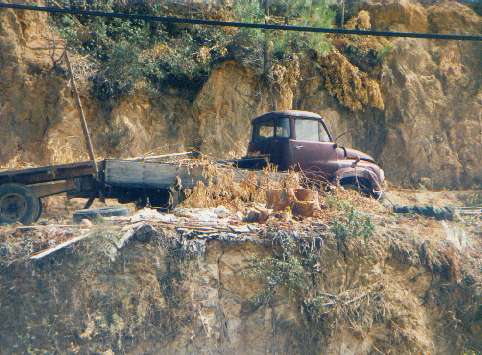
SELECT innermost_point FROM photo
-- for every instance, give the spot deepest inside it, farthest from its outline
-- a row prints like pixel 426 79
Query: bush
pixel 384 52
pixel 352 224
pixel 298 266
pixel 314 13
pixel 164 55
pixel 119 73
pixel 290 267
pixel 128 51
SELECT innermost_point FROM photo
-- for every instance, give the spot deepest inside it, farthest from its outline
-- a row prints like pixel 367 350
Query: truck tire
pixel 18 204
pixel 361 185
pixel 97 213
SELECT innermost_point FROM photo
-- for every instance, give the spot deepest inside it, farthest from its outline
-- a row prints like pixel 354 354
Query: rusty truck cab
pixel 292 138
pixel 301 140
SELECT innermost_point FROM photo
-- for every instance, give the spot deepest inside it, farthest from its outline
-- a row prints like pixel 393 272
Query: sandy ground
pixel 456 198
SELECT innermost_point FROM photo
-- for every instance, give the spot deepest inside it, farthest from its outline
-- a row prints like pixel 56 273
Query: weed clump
pixel 353 224
pixel 297 269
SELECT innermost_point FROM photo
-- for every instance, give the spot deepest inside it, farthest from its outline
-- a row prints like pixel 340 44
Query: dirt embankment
pixel 414 104
pixel 250 267
pixel 139 285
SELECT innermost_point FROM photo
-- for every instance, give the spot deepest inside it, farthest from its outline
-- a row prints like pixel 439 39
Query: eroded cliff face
pixel 418 111
pixel 161 293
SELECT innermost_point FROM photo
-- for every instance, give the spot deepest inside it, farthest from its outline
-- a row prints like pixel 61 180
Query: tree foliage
pixel 313 13
pixel 129 52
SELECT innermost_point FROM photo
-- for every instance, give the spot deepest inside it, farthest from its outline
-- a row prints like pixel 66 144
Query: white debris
pixel 149 214
pixel 455 235
pixel 222 212
pixel 205 214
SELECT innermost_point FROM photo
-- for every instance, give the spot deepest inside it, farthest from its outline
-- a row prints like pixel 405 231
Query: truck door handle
pixel 298 147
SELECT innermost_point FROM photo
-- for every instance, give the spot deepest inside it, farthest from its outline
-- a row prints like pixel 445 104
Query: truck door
pixel 312 149
pixel 271 137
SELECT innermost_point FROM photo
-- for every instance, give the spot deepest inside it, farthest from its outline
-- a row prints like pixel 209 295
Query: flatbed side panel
pixel 149 175
pixel 47 173
pixel 154 175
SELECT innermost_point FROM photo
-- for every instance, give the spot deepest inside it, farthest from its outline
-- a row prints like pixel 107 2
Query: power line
pixel 180 20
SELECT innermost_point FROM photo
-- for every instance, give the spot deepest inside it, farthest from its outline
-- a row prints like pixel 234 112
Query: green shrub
pixel 127 51
pixel 352 224
pixel 314 13
pixel 119 73
pixel 287 268
pixel 297 266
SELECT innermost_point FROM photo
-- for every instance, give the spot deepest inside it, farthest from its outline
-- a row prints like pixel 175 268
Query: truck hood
pixel 356 154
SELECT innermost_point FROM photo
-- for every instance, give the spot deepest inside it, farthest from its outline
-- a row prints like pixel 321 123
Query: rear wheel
pixel 18 204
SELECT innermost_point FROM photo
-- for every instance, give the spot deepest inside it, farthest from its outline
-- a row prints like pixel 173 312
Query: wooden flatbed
pixel 47 173
pixel 145 182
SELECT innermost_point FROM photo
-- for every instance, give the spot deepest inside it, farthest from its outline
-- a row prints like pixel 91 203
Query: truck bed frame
pixel 142 181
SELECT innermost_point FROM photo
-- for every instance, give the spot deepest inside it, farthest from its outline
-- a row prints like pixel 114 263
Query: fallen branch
pixel 43 253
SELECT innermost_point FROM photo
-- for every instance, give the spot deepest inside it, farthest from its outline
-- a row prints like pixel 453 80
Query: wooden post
pixel 342 13
pixel 267 38
pixel 83 122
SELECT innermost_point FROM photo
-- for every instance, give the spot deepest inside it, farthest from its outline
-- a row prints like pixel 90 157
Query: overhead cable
pixel 262 26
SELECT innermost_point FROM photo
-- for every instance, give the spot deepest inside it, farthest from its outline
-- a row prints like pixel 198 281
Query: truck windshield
pixel 311 130
pixel 272 128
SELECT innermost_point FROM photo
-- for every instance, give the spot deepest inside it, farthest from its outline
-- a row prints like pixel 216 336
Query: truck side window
pixel 264 130
pixel 307 130
pixel 283 127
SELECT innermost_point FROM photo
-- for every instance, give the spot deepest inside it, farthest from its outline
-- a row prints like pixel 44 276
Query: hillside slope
pixel 413 104
pixel 283 288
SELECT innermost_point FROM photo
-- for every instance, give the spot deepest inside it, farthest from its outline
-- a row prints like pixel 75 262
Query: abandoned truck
pixel 290 140
pixel 301 140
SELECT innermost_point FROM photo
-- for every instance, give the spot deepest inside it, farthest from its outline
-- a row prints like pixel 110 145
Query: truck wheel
pixel 18 204
pixel 360 185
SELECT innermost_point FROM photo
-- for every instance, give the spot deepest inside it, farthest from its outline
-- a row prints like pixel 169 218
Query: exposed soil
pixel 144 286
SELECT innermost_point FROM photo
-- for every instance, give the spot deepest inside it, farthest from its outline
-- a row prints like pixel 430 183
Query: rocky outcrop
pixel 425 118
pixel 432 94
pixel 413 104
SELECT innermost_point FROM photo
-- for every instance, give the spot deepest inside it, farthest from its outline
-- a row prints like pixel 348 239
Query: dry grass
pixel 236 189
pixel 15 163
pixel 67 154
pixel 245 191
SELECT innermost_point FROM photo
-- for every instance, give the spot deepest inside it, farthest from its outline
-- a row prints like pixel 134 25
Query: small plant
pixel 297 266
pixel 282 270
pixel 352 224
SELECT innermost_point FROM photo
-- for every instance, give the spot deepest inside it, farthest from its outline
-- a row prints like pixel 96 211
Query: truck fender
pixel 359 173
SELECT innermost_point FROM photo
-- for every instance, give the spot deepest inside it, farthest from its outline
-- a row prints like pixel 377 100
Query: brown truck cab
pixel 300 140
